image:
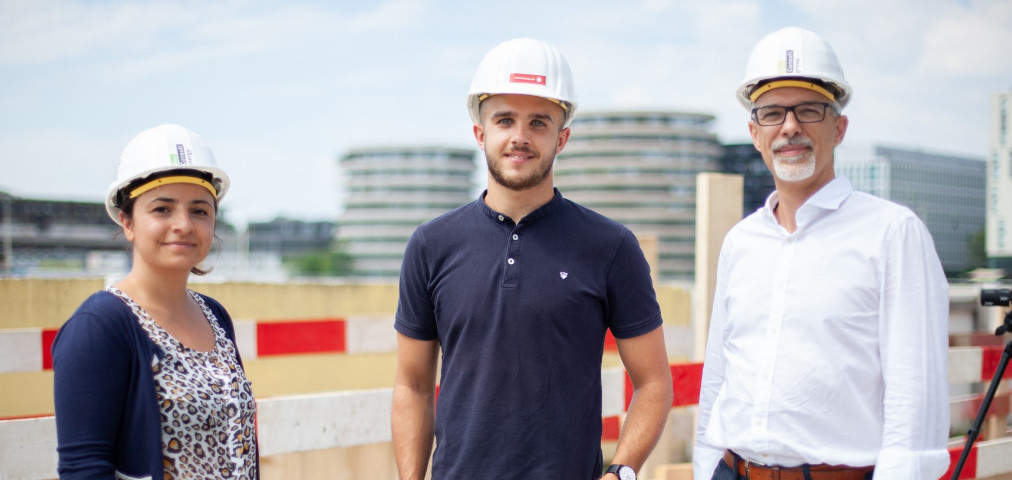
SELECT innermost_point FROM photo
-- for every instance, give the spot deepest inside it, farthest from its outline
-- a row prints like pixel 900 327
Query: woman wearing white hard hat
pixel 148 380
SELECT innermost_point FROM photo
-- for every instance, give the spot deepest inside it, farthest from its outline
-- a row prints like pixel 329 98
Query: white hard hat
pixel 793 57
pixel 523 66
pixel 154 155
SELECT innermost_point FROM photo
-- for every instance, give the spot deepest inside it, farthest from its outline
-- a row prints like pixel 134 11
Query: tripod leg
pixel 971 435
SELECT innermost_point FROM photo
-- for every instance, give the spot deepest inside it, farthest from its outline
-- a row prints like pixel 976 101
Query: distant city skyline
pixel 280 90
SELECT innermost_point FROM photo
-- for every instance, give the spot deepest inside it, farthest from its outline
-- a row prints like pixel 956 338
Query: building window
pixel 1003 120
pixel 1009 153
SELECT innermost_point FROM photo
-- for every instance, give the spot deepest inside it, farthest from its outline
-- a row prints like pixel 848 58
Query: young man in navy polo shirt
pixel 518 289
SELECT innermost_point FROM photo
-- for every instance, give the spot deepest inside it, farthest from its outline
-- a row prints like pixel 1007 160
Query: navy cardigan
pixel 108 421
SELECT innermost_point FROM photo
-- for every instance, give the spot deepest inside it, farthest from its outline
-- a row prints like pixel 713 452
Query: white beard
pixel 794 169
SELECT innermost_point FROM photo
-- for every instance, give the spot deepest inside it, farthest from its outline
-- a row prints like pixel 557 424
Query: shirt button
pixel 501 218
pixel 516 237
pixel 510 261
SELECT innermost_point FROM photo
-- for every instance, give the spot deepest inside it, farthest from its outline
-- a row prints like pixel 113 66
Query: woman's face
pixel 171 227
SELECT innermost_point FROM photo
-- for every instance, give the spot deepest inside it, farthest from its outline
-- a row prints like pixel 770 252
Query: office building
pixel 57 236
pixel 639 168
pixel 999 183
pixel 289 237
pixel 945 191
pixel 743 159
pixel 389 192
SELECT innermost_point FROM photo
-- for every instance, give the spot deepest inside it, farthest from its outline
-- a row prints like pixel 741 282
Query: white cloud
pixel 969 42
pixel 301 82
pixel 42 31
pixel 39 32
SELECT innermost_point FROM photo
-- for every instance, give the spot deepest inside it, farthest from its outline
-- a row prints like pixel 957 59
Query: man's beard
pixel 513 183
pixel 793 169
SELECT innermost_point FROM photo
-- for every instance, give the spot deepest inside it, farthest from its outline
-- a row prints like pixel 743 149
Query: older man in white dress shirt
pixel 826 356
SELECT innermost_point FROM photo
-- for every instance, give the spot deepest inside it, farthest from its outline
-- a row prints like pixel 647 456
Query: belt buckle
pixel 774 471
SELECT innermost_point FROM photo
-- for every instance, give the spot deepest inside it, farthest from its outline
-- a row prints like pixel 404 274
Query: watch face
pixel 626 473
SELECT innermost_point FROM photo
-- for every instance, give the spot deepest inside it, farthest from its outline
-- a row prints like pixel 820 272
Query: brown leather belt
pixel 758 471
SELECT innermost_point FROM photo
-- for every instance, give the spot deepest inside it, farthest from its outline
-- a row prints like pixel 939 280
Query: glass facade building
pixel 743 159
pixel 945 191
pixel 999 183
pixel 639 168
pixel 390 191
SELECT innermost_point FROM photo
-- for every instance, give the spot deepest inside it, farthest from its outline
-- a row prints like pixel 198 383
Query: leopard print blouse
pixel 206 404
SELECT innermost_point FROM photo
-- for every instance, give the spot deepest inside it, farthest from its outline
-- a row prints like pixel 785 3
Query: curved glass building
pixel 389 191
pixel 639 168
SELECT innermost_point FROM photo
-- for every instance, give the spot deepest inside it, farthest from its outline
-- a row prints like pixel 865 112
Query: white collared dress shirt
pixel 828 344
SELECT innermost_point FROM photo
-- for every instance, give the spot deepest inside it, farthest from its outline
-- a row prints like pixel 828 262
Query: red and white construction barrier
pixel 340 419
pixel 300 423
pixel 987 458
pixel 28 349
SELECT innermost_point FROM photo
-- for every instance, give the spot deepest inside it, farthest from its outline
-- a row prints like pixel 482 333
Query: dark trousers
pixel 724 472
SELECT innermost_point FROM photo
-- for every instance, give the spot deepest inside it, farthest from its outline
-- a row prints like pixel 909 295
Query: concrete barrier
pixel 306 423
pixel 289 424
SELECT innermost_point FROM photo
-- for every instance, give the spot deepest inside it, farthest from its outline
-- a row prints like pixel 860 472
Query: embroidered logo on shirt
pixel 563 275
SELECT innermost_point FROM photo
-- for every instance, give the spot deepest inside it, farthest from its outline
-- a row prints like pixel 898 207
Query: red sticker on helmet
pixel 528 78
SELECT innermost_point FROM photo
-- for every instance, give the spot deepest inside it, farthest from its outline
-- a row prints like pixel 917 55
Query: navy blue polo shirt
pixel 520 311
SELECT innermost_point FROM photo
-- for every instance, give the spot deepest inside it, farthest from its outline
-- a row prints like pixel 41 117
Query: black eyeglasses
pixel 809 112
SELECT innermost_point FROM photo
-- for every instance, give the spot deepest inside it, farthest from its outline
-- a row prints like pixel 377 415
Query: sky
pixel 281 89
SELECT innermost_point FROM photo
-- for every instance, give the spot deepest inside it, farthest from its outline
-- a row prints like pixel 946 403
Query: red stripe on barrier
pixel 48 335
pixel 990 358
pixel 610 429
pixel 686 379
pixel 969 468
pixel 999 405
pixel 282 338
pixel 26 417
pixel 610 345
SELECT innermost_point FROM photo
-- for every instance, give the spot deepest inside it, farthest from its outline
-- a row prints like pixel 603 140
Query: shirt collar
pixel 541 212
pixel 829 197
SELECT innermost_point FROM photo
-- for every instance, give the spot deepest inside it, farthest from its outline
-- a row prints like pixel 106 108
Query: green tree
pixel 335 262
pixel 976 247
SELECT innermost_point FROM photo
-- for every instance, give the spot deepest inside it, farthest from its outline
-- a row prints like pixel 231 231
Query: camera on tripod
pixel 995 297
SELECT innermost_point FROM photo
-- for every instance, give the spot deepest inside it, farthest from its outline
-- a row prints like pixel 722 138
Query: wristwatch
pixel 624 472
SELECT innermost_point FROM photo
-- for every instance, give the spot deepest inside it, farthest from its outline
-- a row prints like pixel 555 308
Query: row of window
pixel 686 140
pixel 410 155
pixel 702 122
